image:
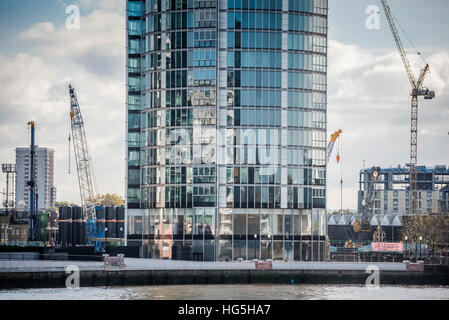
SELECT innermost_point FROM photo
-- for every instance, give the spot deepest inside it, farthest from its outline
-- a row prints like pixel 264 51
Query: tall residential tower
pixel 226 124
pixel 44 177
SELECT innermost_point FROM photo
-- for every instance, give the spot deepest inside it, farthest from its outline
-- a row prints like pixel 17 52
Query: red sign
pixel 387 246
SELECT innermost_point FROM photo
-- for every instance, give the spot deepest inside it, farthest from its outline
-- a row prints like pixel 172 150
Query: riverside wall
pixel 95 278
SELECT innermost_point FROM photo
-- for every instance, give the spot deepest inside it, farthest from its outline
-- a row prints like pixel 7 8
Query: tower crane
pixel 84 169
pixel 417 90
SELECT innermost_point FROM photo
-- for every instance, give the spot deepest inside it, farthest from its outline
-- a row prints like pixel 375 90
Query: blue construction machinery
pixel 84 168
pixel 31 184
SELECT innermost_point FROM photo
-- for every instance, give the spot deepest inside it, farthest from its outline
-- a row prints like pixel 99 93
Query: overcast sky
pixel 368 90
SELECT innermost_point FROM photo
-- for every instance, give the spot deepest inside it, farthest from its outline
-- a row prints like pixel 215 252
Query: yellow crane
pixel 330 146
pixel 417 90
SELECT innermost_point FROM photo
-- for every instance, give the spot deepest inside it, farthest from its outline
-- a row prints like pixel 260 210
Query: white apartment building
pixel 44 177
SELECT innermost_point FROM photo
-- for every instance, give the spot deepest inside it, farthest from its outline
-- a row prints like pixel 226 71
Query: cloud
pixel 35 87
pixel 104 5
pixel 101 33
pixel 369 99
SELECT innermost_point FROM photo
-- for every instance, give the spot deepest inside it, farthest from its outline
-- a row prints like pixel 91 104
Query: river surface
pixel 233 292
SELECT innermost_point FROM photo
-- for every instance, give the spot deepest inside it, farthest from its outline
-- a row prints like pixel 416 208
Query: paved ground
pixel 155 264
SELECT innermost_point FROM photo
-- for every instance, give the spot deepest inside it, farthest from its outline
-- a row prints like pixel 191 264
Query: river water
pixel 233 292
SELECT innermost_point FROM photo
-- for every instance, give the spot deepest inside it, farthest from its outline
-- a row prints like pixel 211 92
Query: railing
pixel 22 243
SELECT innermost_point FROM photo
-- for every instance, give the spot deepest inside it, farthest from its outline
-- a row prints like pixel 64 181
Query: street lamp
pixel 270 247
pixel 406 238
pixel 255 246
pixel 420 239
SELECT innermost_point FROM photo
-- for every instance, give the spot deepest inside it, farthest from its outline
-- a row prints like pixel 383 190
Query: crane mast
pixel 83 165
pixel 371 176
pixel 417 90
pixel 32 185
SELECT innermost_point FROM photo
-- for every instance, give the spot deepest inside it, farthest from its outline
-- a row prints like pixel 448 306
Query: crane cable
pixel 338 158
pixel 69 153
pixel 91 165
pixel 407 36
pixel 96 192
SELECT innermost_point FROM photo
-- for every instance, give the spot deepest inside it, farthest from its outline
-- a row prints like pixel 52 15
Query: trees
pixel 109 199
pixel 430 229
pixel 60 204
pixel 63 203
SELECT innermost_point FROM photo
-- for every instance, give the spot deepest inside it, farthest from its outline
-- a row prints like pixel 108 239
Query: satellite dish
pixel 21 204
pixel 363 202
pixel 375 174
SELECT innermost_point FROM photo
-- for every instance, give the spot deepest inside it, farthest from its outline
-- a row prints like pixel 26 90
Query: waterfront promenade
pixel 157 264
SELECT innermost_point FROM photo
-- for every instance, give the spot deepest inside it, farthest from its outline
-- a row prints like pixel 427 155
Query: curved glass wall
pixel 227 128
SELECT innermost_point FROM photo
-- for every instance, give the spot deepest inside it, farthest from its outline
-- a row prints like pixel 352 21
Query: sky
pixel 368 90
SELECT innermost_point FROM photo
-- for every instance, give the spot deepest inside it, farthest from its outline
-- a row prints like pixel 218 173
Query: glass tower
pixel 226 124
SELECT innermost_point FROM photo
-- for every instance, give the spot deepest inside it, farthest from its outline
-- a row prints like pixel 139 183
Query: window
pixel 134 9
pixel 134 83
pixel 133 139
pixel 133 158
pixel 133 65
pixel 133 102
pixel 134 27
pixel 134 46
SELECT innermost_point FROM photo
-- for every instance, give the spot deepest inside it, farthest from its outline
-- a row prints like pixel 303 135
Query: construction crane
pixel 417 90
pixel 330 146
pixel 371 176
pixel 32 185
pixel 84 170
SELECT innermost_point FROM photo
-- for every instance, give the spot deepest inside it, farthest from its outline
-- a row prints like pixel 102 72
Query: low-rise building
pixel 4 225
pixel 444 200
pixel 392 194
pixel 18 231
pixel 18 226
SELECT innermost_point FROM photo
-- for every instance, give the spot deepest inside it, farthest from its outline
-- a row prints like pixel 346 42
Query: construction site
pixel 389 198
pixel 72 232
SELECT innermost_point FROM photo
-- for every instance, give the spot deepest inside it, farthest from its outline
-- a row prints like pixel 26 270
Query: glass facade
pixel 226 120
